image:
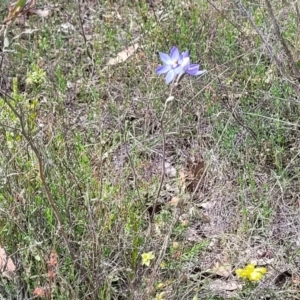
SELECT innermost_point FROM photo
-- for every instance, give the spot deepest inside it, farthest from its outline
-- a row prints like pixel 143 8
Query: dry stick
pixel 170 98
pixel 163 250
pixel 282 40
pixel 135 177
pixel 279 64
pixel 38 155
pixel 270 50
pixel 84 36
pixel 225 17
pixel 298 14
pixel 43 179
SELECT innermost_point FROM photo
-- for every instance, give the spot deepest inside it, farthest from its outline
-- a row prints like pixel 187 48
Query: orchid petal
pixel 170 76
pixel 165 58
pixel 163 69
pixel 185 64
pixel 174 54
pixel 185 54
pixel 192 69
pixel 201 72
pixel 178 70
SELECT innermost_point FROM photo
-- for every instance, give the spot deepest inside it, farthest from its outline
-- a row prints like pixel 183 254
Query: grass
pixel 82 151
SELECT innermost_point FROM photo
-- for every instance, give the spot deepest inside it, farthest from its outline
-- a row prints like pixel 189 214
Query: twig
pixel 83 34
pixel 282 41
pixel 40 161
pixel 223 16
pixel 133 170
pixel 163 249
pixel 163 172
pixel 43 179
pixel 250 19
pixel 298 15
pixel 279 64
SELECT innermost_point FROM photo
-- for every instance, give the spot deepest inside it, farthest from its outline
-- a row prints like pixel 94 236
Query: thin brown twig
pixel 84 35
pixel 163 172
pixel 227 19
pixel 298 15
pixel 44 181
pixel 278 63
pixel 258 31
pixel 286 49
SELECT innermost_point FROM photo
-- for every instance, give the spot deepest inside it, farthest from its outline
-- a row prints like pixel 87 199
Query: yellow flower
pixel 146 258
pixel 160 296
pixel 163 265
pixel 36 76
pixel 162 285
pixel 251 273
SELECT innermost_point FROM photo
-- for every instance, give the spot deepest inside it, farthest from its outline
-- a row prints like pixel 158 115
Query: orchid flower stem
pixel 163 172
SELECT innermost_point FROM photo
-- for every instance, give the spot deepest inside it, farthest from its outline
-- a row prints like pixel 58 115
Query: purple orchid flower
pixel 172 65
pixel 177 64
pixel 191 69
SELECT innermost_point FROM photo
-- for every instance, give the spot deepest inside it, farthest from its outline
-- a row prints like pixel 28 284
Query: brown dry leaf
pixel 53 259
pixel 219 285
pixel 43 13
pixel 170 170
pixel 296 280
pixel 174 201
pixel 191 174
pixel 7 266
pixel 123 55
pixel 182 176
pixel 18 9
pixel 221 270
pixel 208 205
pixel 281 278
pixel 66 27
pixel 41 292
pixel 185 223
pixel 196 172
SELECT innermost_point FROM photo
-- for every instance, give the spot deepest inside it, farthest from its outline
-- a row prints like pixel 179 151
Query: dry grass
pixel 82 151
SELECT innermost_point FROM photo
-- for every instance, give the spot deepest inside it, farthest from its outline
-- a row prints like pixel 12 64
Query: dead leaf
pixel 174 201
pixel 185 223
pixel 221 270
pixel 219 285
pixel 41 292
pixel 170 170
pixel 192 174
pixel 7 266
pixel 296 280
pixel 281 278
pixel 53 259
pixel 182 176
pixel 6 42
pixel 123 55
pixel 196 172
pixel 43 13
pixel 208 205
pixel 66 27
pixel 18 9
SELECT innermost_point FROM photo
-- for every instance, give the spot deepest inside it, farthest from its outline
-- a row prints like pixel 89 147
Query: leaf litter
pixel 123 55
pixel 7 266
